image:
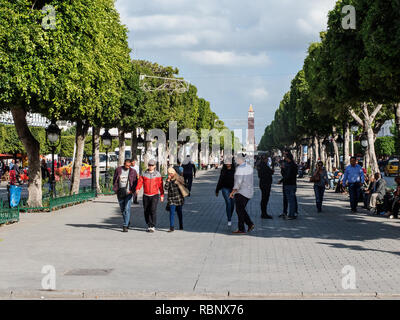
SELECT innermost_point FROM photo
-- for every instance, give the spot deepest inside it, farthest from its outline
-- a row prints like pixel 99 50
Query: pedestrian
pixel 18 171
pixel 290 185
pixel 378 191
pixel 225 184
pixel 189 172
pixel 265 173
pixel 45 174
pixel 124 185
pixel 2 169
pixel 243 191
pixel 176 188
pixel 136 168
pixel 320 179
pixel 354 178
pixel 366 189
pixel 153 191
pixel 12 163
pixel 178 168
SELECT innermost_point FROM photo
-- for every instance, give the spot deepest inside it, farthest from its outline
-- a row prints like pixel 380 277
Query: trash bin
pixel 14 195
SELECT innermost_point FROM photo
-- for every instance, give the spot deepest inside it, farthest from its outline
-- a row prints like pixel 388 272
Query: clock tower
pixel 251 141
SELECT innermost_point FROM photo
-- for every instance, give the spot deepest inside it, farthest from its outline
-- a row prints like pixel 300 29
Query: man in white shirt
pixel 243 191
pixel 136 168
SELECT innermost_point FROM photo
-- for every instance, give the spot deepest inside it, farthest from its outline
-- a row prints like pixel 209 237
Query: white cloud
pixel 169 41
pixel 259 94
pixel 227 58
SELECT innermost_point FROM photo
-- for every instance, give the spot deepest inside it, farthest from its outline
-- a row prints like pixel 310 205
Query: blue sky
pixel 236 53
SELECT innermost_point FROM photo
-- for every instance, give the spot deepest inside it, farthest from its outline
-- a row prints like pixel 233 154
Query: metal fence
pixel 8 214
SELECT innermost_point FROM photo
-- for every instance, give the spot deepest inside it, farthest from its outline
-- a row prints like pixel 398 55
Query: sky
pixel 235 52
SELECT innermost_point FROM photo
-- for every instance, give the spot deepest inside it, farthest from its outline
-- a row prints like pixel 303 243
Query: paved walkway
pixel 298 258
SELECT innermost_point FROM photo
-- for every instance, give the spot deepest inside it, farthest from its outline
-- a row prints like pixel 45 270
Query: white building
pixel 385 130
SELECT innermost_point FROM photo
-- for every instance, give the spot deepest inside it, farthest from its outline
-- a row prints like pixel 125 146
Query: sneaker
pixel 171 229
pixel 124 229
pixel 290 218
pixel 391 217
pixel 282 215
pixel 266 216
pixel 152 229
pixel 251 228
pixel 229 223
pixel 238 232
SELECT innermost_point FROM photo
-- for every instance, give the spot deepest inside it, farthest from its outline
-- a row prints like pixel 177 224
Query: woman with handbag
pixel 177 192
pixel 320 179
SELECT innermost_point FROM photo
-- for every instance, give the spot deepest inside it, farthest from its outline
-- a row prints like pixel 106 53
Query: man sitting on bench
pixel 378 191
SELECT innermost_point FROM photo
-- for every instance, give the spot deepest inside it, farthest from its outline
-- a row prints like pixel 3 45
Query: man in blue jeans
pixel 124 185
pixel 289 181
pixel 354 178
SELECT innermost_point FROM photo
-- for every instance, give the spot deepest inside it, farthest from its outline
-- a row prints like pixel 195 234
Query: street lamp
pixel 354 128
pixel 364 141
pixel 53 133
pixel 107 142
pixel 140 146
pixel 364 145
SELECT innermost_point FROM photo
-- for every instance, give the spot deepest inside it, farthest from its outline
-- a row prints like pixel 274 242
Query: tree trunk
pixel 322 151
pixel 134 145
pixel 366 123
pixel 97 156
pixel 371 148
pixel 121 140
pixel 32 148
pixel 346 144
pixel 81 133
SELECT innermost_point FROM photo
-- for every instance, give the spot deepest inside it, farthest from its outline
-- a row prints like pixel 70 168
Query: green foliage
pixel 385 146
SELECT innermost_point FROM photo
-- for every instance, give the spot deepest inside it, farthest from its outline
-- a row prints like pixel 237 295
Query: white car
pixel 112 161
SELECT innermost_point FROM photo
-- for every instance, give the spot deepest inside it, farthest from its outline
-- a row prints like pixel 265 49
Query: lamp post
pixel 53 133
pixel 140 146
pixel 364 145
pixel 107 142
pixel 354 128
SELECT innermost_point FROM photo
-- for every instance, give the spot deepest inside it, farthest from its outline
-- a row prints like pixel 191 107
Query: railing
pixel 8 214
pixel 50 204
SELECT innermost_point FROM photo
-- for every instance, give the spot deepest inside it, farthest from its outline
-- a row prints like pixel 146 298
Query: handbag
pixel 182 189
pixel 123 192
pixel 315 178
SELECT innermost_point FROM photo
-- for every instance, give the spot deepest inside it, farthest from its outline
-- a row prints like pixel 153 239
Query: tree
pixel 72 72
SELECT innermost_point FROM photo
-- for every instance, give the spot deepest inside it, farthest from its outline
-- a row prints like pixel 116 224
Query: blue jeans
pixel 229 203
pixel 354 192
pixel 290 194
pixel 178 210
pixel 319 195
pixel 125 206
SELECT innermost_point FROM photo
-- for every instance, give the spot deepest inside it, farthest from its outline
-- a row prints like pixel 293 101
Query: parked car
pixel 112 161
pixel 392 167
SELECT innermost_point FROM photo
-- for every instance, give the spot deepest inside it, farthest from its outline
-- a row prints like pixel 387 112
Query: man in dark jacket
pixel 378 190
pixel 265 175
pixel 124 185
pixel 289 181
pixel 189 171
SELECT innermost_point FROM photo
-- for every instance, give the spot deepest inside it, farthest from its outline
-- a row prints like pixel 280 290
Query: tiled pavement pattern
pixel 299 258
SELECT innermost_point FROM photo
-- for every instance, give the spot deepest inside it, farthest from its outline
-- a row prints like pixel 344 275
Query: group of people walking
pixel 127 185
pixel 235 183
